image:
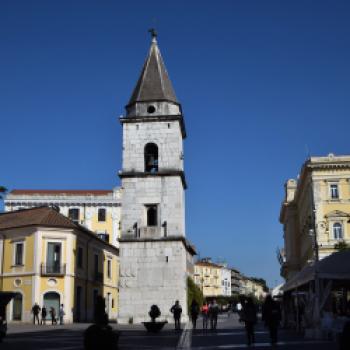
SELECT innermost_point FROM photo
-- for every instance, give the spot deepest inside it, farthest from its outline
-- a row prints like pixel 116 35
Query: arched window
pixel 152 215
pixel 151 158
pixel 337 230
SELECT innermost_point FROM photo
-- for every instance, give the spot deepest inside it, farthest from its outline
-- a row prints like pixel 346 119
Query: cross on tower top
pixel 153 34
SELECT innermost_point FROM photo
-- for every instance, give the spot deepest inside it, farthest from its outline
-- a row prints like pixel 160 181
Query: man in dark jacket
pixel 271 315
pixel 36 310
pixel 176 310
pixel 248 316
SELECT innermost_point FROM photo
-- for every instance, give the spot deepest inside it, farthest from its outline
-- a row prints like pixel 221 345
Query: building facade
pixel 48 259
pixel 155 256
pixel 97 210
pixel 315 212
pixel 207 276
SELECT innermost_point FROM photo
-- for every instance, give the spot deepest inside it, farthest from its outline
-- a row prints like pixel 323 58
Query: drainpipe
pixel 87 278
pixel 2 261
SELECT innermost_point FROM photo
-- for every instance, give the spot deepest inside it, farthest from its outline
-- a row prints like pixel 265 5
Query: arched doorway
pixel 52 299
pixel 17 307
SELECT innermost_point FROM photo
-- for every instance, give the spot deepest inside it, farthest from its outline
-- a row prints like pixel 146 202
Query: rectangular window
pixel 19 254
pixel 80 257
pixel 334 191
pixel 96 264
pixel 152 215
pixel 102 215
pixel 73 214
pixel 53 257
pixel 109 268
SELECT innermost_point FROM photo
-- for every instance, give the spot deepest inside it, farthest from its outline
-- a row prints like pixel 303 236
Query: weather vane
pixel 153 33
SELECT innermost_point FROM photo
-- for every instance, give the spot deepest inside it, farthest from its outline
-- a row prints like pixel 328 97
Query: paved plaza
pixel 229 335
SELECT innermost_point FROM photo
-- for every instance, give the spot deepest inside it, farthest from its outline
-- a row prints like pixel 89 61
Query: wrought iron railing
pixel 53 269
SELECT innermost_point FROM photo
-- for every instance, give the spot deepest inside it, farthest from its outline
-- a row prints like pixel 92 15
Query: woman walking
pixel 205 316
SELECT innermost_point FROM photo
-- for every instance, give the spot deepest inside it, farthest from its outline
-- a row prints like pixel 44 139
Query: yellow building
pixel 207 276
pixel 250 286
pixel 48 259
pixel 97 210
pixel 315 212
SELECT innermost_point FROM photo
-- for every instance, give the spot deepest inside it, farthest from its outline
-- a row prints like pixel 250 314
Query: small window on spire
pixel 151 109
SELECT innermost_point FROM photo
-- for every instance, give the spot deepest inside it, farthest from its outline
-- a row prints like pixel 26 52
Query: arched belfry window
pixel 152 219
pixel 151 158
pixel 338 230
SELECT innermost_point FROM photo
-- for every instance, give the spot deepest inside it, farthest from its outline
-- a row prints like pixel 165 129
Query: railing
pixel 53 270
pixel 150 232
pixel 98 277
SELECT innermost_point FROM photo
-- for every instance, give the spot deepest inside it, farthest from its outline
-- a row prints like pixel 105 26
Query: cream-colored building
pixel 315 212
pixel 97 210
pixel 207 277
pixel 250 286
pixel 48 259
pixel 213 279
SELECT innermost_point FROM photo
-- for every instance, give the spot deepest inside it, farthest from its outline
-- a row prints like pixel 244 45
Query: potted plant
pixel 154 326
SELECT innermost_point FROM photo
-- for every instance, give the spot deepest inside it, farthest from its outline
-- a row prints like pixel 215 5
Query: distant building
pixel 236 282
pixel 252 287
pixel 97 210
pixel 225 281
pixel 48 259
pixel 315 212
pixel 207 276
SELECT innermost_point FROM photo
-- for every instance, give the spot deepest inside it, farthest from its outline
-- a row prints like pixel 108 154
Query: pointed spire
pixel 154 83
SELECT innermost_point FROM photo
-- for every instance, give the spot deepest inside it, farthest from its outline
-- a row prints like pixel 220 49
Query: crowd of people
pixel 247 313
pixel 40 314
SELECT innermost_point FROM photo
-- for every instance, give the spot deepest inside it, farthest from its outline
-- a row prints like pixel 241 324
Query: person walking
pixel 176 310
pixel 53 315
pixel 239 310
pixel 248 316
pixel 194 313
pixel 205 314
pixel 213 314
pixel 61 314
pixel 36 310
pixel 271 315
pixel 43 315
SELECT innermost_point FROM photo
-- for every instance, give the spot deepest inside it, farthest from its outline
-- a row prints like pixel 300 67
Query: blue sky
pixel 260 82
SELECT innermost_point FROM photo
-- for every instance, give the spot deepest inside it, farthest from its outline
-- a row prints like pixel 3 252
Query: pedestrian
pixel 53 315
pixel 239 310
pixel 205 314
pixel 271 315
pixel 36 310
pixel 61 314
pixel 194 313
pixel 176 310
pixel 213 314
pixel 43 315
pixel 248 316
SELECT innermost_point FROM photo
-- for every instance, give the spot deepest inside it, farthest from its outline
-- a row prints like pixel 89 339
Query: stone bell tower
pixel 155 257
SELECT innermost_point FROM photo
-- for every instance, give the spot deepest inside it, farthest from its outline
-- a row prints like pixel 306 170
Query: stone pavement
pixel 229 335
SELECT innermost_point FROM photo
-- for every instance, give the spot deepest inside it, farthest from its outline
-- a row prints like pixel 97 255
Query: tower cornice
pixel 161 118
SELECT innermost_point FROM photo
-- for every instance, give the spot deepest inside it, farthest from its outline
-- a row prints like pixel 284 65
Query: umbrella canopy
pixel 333 267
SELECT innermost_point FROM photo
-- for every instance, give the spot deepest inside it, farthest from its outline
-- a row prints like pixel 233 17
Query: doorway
pixel 52 299
pixel 17 307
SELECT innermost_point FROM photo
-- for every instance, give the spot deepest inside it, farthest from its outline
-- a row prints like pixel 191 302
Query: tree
pixel 3 191
pixel 193 293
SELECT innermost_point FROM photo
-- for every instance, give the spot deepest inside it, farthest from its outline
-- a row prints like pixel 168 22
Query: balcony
pixel 53 270
pixel 151 232
pixel 98 277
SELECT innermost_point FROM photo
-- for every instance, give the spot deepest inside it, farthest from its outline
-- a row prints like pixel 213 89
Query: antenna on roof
pixel 307 150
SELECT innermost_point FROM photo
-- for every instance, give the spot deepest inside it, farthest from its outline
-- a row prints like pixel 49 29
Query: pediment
pixel 337 214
